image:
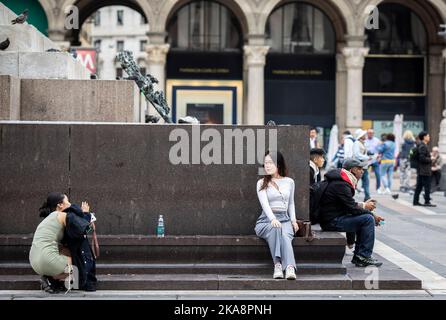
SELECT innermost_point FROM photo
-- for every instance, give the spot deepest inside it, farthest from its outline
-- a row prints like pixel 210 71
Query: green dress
pixel 44 256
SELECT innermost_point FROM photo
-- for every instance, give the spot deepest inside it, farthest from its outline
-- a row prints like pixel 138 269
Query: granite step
pixel 219 282
pixel 191 268
pixel 326 248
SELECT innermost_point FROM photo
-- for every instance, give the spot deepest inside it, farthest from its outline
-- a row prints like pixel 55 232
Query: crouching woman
pixel 277 222
pixel 45 257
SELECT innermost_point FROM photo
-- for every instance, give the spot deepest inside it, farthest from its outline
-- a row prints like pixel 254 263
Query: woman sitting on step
pixel 277 222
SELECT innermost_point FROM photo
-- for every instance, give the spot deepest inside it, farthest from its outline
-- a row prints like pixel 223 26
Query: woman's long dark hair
pixel 50 205
pixel 280 164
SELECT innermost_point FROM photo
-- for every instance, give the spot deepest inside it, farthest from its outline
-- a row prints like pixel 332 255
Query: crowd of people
pixel 381 158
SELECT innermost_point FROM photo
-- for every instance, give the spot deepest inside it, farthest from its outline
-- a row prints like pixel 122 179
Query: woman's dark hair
pixel 280 164
pixel 50 205
pixel 391 137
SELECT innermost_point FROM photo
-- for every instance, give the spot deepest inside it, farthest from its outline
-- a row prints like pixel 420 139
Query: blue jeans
pixel 375 168
pixel 366 185
pixel 362 225
pixel 386 171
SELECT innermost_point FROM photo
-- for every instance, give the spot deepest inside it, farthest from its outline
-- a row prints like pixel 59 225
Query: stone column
pixel 435 92
pixel 58 37
pixel 442 135
pixel 354 62
pixel 255 63
pixel 341 93
pixel 156 58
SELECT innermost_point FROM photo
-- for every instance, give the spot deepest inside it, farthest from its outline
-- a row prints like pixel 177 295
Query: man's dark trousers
pixel 364 227
pixel 423 182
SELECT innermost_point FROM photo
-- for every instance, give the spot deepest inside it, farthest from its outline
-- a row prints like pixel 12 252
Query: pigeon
pixel 5 44
pixel 53 50
pixel 21 18
pixel 395 196
pixel 93 76
pixel 73 53
pixel 189 119
pixel 152 119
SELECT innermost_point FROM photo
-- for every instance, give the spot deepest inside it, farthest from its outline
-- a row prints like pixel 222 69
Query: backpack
pixel 414 157
pixel 317 191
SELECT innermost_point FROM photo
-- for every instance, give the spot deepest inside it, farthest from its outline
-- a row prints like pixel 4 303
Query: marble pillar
pixel 255 62
pixel 354 62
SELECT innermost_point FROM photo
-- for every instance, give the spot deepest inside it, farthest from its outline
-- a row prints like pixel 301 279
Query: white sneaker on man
pixel 278 273
pixel 388 191
pixel 349 250
pixel 290 274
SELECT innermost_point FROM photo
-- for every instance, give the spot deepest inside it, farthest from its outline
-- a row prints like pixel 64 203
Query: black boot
pixel 47 285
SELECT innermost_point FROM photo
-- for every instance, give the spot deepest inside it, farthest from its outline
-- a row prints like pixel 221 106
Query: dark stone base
pixel 326 248
pixel 208 263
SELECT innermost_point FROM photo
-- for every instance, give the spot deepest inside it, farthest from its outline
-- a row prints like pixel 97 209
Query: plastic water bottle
pixel 382 222
pixel 160 227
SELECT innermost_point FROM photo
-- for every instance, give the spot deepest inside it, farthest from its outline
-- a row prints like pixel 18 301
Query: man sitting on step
pixel 338 211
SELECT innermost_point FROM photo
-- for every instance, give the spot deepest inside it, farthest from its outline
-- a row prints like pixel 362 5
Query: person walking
pixel 387 149
pixel 424 171
pixel 371 143
pixel 404 161
pixel 360 154
pixel 437 163
pixel 348 145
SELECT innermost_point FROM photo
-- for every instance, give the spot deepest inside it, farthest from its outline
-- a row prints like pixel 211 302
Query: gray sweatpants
pixel 279 240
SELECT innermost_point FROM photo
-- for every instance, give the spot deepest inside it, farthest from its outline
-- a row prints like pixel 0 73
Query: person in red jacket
pixel 340 212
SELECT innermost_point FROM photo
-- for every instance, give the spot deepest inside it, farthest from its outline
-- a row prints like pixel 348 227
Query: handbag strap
pixel 95 243
pixel 309 235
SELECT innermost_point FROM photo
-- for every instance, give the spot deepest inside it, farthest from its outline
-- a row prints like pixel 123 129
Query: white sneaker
pixel 349 251
pixel 388 191
pixel 290 274
pixel 380 191
pixel 278 273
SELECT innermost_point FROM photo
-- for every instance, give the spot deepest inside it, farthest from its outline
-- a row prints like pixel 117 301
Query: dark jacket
pixel 405 149
pixel 75 238
pixel 424 160
pixel 338 198
pixel 312 180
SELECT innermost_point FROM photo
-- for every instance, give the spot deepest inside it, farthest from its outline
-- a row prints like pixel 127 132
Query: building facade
pixel 112 29
pixel 316 62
